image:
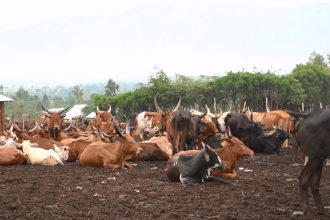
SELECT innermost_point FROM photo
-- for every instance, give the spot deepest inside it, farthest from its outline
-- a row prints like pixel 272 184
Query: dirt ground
pixel 267 188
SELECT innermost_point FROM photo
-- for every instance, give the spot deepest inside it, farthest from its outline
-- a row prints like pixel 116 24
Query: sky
pixel 71 42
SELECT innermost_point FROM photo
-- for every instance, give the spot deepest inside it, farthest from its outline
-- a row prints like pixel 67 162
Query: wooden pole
pixel 2 117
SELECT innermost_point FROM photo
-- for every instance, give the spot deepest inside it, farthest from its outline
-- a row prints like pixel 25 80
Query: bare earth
pixel 269 191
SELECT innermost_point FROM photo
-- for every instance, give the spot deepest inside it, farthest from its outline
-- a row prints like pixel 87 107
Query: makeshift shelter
pixel 3 99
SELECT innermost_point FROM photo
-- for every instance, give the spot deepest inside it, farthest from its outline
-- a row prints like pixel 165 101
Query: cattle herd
pixel 197 146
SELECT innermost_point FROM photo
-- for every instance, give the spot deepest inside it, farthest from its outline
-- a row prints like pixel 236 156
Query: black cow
pixel 193 166
pixel 249 132
pixel 277 137
pixel 314 140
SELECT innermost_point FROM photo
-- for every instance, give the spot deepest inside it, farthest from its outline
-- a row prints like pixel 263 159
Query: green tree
pixel 78 93
pixel 45 99
pixel 317 59
pixel 23 94
pixel 315 80
pixel 159 79
pixel 111 88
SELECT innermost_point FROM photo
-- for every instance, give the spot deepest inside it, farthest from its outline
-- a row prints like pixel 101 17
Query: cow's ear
pixel 206 152
pixel 207 156
pixel 47 116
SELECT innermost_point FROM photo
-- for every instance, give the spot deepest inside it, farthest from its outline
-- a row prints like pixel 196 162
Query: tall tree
pixel 23 94
pixel 317 59
pixel 111 88
pixel 78 93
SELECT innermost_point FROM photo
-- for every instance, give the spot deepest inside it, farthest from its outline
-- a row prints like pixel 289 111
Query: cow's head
pixel 54 121
pixel 129 146
pixel 212 159
pixel 162 120
pixel 62 151
pixel 103 116
pixel 205 128
pixel 237 147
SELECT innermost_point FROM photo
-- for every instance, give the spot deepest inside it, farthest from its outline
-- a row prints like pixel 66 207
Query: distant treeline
pixel 307 83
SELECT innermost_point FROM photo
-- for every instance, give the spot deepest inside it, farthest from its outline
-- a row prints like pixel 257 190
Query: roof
pixel 91 115
pixel 75 111
pixel 5 99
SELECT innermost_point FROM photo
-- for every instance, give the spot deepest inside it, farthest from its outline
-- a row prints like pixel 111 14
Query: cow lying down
pixel 40 156
pixel 193 166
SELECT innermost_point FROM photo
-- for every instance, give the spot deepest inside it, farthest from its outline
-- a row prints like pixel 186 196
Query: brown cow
pixel 163 143
pixel 155 149
pixel 76 149
pixel 11 156
pixel 278 118
pixel 111 155
pixel 231 151
pixel 54 122
pixel 151 152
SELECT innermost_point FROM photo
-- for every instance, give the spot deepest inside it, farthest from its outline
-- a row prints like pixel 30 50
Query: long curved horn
pixel 178 105
pixel 64 110
pixel 98 110
pixel 298 114
pixel 156 105
pixel 66 129
pixel 33 129
pixel 109 110
pixel 16 127
pixel 118 130
pixel 104 134
pixel 46 110
pixel 207 109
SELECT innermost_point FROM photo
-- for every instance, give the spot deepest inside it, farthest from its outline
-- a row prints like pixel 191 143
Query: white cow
pixel 40 156
pixel 144 125
pixel 62 151
pixel 9 143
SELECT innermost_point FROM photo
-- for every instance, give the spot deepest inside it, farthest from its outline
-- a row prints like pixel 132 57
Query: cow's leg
pixel 217 179
pixel 315 184
pixel 129 165
pixel 189 180
pixel 304 184
pixel 229 175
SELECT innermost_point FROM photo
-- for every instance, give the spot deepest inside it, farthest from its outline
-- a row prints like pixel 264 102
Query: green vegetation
pixel 307 83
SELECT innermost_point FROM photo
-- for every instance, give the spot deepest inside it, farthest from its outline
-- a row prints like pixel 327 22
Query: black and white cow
pixel 193 166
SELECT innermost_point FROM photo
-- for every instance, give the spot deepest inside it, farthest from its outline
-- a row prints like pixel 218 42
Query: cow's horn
pixel 118 130
pixel 64 110
pixel 109 110
pixel 104 134
pixel 156 105
pixel 207 109
pixel 66 129
pixel 46 110
pixel 178 105
pixel 17 128
pixel 97 109
pixel 33 129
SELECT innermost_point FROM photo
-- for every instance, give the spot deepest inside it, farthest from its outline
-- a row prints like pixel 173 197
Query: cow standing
pixel 314 140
